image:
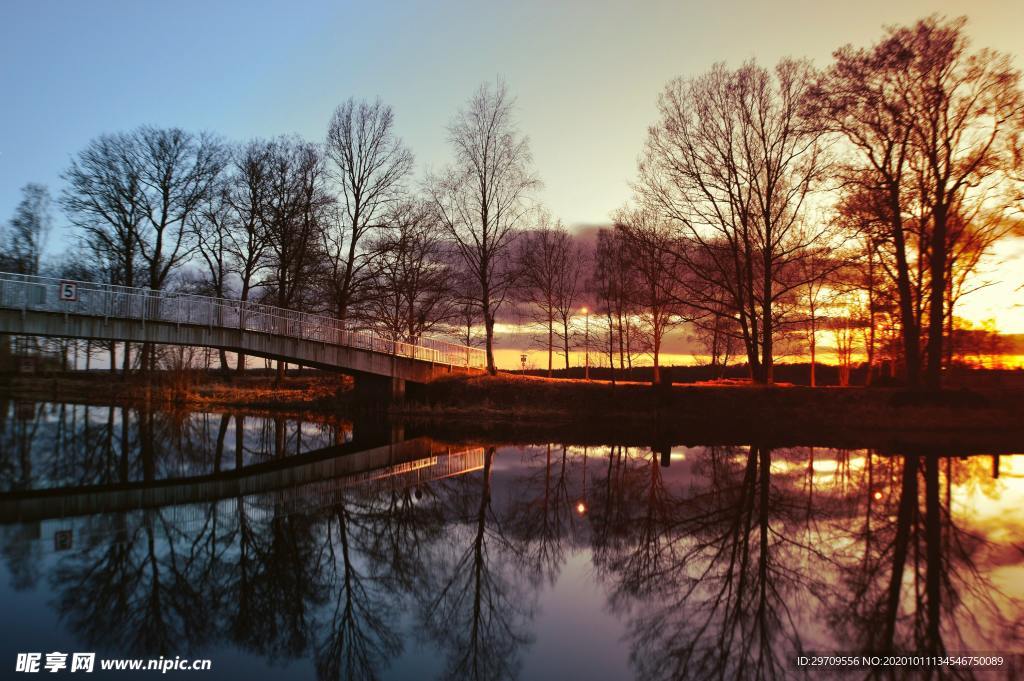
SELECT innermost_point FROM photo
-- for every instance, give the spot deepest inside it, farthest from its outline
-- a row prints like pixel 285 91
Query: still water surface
pixel 286 549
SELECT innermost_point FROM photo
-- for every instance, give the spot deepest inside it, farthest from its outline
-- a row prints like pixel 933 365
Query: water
pixel 280 548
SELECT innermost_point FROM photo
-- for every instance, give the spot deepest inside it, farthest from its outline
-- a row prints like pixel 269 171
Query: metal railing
pixel 47 294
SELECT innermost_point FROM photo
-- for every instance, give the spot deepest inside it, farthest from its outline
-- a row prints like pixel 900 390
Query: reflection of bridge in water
pixel 41 306
pixel 301 483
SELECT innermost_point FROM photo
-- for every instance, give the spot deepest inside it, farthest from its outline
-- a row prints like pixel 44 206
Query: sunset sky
pixel 586 75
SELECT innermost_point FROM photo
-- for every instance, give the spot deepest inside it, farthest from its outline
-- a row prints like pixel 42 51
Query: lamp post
pixel 586 341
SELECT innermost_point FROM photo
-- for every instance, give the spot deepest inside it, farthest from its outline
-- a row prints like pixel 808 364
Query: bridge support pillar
pixel 378 390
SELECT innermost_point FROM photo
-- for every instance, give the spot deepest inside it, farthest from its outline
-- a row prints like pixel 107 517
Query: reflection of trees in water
pixel 918 583
pixel 724 569
pixel 18 430
pixel 472 603
pixel 128 592
pixel 645 506
pixel 700 576
pixel 48 445
pixel 731 580
pixel 330 584
pixel 543 514
pixel 376 548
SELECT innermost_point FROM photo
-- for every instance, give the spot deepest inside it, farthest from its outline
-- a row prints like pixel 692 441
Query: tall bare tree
pixel 298 206
pixel 615 282
pixel 177 171
pixel 936 130
pixel 731 164
pixel 212 225
pixel 370 164
pixel 967 118
pixel 483 197
pixel 248 195
pixel 102 199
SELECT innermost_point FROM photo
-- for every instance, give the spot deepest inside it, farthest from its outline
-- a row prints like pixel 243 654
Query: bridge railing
pixel 46 294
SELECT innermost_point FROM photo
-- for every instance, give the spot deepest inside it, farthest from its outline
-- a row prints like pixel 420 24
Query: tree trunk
pixel 565 343
pixel 489 329
pixel 905 516
pixel 656 378
pixel 948 347
pixel 611 348
pixel 814 347
pixel 908 321
pixel 936 300
pixel 871 316
pixel 551 342
pixel 933 551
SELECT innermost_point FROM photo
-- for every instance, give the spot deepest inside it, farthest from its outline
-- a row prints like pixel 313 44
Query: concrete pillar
pixel 373 390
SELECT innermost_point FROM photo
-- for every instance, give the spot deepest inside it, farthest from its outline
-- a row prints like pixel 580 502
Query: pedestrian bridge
pixel 43 306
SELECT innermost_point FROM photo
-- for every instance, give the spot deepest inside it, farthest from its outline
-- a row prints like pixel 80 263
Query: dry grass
pixel 721 404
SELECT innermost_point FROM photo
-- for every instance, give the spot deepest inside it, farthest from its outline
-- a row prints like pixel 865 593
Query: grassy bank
pixel 511 408
pixel 499 401
pixel 256 390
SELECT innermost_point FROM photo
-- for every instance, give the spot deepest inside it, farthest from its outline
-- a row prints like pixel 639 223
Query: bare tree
pixel 718 335
pixel 967 118
pixel 935 130
pixel 177 171
pixel 971 238
pixel 615 275
pixel 28 231
pixel 730 165
pixel 102 199
pixel 212 225
pixel 131 195
pixel 297 210
pixel 482 197
pixel 248 195
pixel 816 294
pixel 657 296
pixel 410 277
pixel 370 164
pixel 604 285
pixel 550 268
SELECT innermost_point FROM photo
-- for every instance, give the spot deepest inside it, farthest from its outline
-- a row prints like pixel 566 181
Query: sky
pixel 586 75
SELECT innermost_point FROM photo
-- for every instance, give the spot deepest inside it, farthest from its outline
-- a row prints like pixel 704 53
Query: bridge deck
pixel 42 306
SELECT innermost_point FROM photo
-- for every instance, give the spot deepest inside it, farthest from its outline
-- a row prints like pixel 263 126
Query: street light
pixel 586 341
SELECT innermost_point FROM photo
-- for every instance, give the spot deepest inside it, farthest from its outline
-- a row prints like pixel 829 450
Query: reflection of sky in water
pixel 61 445
pixel 431 580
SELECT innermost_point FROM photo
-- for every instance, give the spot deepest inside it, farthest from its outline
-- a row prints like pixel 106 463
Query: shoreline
pixel 521 408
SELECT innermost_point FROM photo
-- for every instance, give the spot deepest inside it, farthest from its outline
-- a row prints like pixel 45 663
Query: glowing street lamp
pixel 586 341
